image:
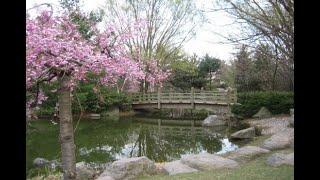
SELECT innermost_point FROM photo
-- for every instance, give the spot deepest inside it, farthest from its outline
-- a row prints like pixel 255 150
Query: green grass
pixel 256 169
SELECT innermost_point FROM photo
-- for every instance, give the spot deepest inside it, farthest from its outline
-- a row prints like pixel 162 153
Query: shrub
pixel 275 102
pixel 90 101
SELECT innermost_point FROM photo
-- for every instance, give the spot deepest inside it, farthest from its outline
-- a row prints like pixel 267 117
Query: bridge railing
pixel 228 97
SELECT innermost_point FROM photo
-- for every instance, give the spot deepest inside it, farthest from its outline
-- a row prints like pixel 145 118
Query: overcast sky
pixel 205 40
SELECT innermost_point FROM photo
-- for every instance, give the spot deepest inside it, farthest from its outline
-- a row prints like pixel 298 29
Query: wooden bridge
pixel 217 102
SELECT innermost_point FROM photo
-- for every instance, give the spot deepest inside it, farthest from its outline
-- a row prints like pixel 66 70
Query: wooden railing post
pixel 159 97
pixel 192 97
pixel 235 95
pixel 202 95
pixel 170 95
pixel 228 98
pixel 143 96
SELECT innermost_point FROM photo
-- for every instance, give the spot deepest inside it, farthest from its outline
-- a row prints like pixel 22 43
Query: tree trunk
pixel 66 130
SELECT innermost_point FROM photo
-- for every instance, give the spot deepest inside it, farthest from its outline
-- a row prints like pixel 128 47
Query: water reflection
pixel 102 141
pixel 159 142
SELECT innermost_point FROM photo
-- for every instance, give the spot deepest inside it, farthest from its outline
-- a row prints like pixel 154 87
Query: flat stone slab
pixel 280 140
pixel 246 153
pixel 206 161
pixel 278 159
pixel 244 133
pixel 105 178
pixel 129 168
pixel 271 126
pixel 176 167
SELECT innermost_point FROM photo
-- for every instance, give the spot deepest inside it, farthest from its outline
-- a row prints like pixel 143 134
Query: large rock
pixel 246 153
pixel 129 168
pixel 105 178
pixel 84 172
pixel 41 162
pixel 278 159
pixel 280 140
pixel 160 169
pixel 271 126
pixel 176 167
pixel 213 120
pixel 263 113
pixel 206 161
pixel 244 133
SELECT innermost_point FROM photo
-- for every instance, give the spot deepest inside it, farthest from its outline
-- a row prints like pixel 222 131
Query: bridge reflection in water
pixel 163 142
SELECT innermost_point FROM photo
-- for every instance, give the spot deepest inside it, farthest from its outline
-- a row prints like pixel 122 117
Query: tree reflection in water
pixel 102 141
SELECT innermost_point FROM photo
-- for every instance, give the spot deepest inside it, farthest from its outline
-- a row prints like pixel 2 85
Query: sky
pixel 205 40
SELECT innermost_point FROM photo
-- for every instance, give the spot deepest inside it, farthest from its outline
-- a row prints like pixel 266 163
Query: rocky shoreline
pixel 281 138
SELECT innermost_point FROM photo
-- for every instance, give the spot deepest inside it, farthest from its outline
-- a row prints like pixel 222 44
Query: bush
pixel 90 101
pixel 275 102
pixel 85 96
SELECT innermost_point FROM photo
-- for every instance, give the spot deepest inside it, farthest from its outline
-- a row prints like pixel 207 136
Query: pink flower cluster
pixel 156 75
pixel 54 47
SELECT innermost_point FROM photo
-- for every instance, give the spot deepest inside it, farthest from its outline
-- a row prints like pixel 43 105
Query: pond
pixel 109 139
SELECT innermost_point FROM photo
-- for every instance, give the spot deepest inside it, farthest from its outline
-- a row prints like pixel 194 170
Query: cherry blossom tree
pixel 155 75
pixel 56 52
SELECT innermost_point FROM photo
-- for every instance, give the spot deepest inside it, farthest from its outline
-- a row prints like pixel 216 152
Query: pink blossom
pixel 54 45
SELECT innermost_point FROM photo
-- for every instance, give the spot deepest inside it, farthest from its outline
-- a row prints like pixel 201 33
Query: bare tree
pixel 265 22
pixel 169 24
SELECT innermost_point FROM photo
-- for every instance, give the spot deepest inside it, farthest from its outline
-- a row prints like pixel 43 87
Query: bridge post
pixel 192 97
pixel 159 97
pixel 143 96
pixel 228 98
pixel 170 95
pixel 202 95
pixel 234 95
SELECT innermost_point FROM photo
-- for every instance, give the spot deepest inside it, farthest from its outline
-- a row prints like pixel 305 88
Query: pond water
pixel 106 140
